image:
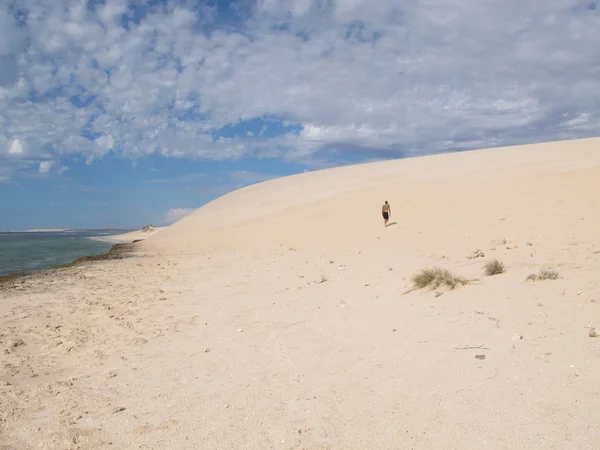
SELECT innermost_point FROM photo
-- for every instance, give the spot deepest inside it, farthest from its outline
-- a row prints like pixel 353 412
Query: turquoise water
pixel 25 252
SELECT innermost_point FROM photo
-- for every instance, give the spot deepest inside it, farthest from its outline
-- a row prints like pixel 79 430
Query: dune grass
pixel 436 277
pixel 494 267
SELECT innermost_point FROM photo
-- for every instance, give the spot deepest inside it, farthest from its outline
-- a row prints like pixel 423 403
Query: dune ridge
pixel 285 316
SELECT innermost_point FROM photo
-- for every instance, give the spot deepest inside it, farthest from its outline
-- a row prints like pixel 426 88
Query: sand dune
pixel 440 195
pixel 283 316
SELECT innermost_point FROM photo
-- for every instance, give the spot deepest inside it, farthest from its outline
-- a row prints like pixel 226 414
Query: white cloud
pixel 45 166
pixel 15 148
pixel 63 169
pixel 356 76
pixel 175 214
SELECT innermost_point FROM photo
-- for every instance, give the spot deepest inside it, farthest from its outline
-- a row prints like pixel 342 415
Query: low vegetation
pixel 494 267
pixel 83 259
pixel 436 277
pixel 11 277
pixel 544 274
pixel 547 274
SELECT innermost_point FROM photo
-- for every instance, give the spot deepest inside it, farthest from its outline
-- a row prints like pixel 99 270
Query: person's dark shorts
pixel 386 215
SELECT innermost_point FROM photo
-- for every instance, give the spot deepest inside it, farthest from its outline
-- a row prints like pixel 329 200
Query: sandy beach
pixel 124 238
pixel 284 316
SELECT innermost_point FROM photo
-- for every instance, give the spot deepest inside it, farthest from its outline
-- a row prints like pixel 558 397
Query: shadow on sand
pixel 390 224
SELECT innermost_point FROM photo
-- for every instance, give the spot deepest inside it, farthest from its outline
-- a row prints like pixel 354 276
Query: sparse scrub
pixel 547 274
pixel 436 277
pixel 494 267
pixel 323 279
pixel 544 274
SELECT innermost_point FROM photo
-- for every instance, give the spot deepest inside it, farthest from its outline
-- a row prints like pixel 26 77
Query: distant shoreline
pixel 68 230
pixel 117 251
pixel 39 230
pixel 121 239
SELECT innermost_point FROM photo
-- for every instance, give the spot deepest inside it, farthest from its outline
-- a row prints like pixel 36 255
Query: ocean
pixel 26 252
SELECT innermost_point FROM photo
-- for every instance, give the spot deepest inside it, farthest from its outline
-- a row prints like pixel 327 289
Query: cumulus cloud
pixel 351 76
pixel 15 148
pixel 45 166
pixel 175 214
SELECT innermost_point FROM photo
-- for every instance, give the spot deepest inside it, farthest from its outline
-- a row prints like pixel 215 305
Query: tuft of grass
pixel 436 277
pixel 323 279
pixel 494 267
pixel 547 274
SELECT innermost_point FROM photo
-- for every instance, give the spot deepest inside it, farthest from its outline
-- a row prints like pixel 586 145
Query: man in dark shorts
pixel 386 212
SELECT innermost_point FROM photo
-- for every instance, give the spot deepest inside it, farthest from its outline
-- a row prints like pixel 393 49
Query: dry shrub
pixel 436 277
pixel 494 267
pixel 547 274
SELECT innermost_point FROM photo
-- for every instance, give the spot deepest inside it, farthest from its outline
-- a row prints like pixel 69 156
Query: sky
pixel 117 113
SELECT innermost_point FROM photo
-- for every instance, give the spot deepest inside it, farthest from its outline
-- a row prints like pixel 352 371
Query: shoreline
pixel 117 251
pixel 118 241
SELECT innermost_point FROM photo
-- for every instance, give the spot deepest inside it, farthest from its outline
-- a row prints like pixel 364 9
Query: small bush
pixel 437 277
pixel 547 274
pixel 494 267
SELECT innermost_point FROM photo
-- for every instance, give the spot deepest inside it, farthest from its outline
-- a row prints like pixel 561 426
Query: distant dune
pixel 286 316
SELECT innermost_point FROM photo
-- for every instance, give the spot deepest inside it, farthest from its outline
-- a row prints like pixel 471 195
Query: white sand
pixel 131 236
pixel 278 317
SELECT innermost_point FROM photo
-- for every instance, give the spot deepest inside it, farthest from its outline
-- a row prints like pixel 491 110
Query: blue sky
pixel 117 113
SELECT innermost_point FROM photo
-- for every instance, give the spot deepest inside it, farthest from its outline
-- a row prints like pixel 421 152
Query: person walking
pixel 386 212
